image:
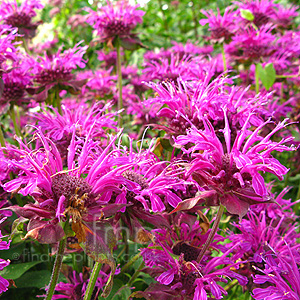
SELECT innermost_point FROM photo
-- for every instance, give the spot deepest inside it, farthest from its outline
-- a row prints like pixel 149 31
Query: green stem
pixel 13 117
pixel 56 268
pixel 212 233
pixel 256 80
pixel 25 45
pixel 119 73
pixel 224 58
pixel 92 281
pixel 58 100
pixel 2 140
pixel 163 15
pixel 287 76
pixel 195 19
pixel 131 262
pixel 136 274
pixel 298 193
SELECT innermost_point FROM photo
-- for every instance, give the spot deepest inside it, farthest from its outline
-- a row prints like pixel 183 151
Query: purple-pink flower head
pixel 280 279
pixel 171 259
pixel 183 104
pixel 7 45
pixel 76 285
pixel 20 16
pixel 100 83
pixel 57 69
pixel 284 16
pixel 57 190
pixel 16 79
pixel 262 10
pixel 116 19
pixel 3 263
pixel 252 45
pixel 263 239
pixel 108 59
pixel 232 171
pixel 187 67
pixel 221 27
pixel 93 121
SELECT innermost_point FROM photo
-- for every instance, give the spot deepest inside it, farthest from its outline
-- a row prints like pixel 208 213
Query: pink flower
pixel 3 263
pixel 220 27
pixel 116 19
pixel 20 16
pixel 232 171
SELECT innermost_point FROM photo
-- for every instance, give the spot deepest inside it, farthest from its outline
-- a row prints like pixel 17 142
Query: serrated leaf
pixel 247 14
pixel 14 271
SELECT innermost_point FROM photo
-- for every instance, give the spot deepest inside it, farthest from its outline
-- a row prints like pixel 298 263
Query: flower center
pixel 69 186
pixel 190 253
pixel 117 27
pixel 13 91
pixel 18 20
pixel 47 76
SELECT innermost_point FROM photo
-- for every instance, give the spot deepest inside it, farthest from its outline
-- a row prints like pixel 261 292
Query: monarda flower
pixel 85 120
pixel 76 285
pixel 20 16
pixel 263 239
pixel 16 79
pixel 116 20
pixel 100 84
pixel 8 48
pixel 182 104
pixel 3 263
pixel 284 16
pixel 251 45
pixel 171 260
pixel 170 69
pixel 62 194
pixel 278 280
pixel 232 171
pixel 221 27
pixel 262 10
pixel 56 71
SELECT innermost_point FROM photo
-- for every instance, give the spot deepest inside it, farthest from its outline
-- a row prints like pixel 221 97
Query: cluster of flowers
pixel 81 178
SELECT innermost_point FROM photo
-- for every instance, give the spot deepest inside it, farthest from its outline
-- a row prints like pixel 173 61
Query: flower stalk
pixel 212 233
pixel 14 119
pixel 57 100
pixel 92 281
pixel 224 58
pixel 119 74
pixel 56 268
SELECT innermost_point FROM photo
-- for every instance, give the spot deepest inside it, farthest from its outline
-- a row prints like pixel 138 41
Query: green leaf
pixel 247 14
pixel 14 271
pixel 36 279
pixel 166 144
pixel 267 75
